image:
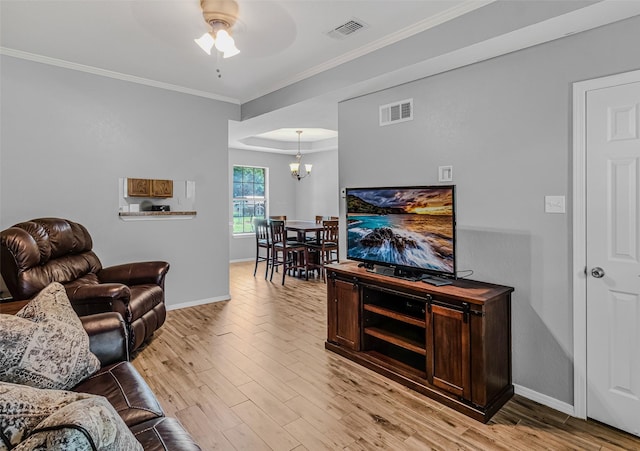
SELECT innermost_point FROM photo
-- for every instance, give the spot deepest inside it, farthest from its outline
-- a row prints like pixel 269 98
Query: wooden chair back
pixel 261 227
pixel 278 233
pixel 330 231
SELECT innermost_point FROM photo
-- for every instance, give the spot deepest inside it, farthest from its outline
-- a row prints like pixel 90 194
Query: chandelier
pixel 295 167
pixel 221 15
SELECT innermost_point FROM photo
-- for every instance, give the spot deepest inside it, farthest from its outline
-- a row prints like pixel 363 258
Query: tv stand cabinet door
pixel 343 318
pixel 448 351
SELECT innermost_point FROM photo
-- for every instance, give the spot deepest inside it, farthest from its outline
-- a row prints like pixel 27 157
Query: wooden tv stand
pixel 451 343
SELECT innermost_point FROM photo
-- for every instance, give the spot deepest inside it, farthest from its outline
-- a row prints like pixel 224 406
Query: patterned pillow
pixel 22 408
pixel 45 345
pixel 32 418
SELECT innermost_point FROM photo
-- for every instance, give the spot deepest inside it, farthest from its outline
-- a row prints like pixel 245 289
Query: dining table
pixel 302 227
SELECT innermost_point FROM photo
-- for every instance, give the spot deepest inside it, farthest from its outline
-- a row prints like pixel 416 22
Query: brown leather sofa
pixel 35 253
pixel 126 390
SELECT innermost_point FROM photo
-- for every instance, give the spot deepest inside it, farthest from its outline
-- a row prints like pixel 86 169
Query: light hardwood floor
pixel 252 374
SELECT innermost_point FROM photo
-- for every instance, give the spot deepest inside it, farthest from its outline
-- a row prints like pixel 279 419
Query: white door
pixel 613 255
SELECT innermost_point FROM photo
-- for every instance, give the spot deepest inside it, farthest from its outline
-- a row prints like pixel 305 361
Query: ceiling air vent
pixel 396 112
pixel 347 28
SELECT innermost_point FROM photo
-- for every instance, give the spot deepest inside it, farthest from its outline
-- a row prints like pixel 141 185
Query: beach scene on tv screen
pixel 411 227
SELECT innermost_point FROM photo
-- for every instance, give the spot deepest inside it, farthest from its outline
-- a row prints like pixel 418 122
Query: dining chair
pixel 319 218
pixel 327 249
pixel 263 241
pixel 291 255
pixel 312 236
pixel 283 218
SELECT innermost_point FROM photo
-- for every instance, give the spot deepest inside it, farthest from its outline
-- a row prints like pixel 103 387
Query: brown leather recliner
pixel 40 251
pixel 126 390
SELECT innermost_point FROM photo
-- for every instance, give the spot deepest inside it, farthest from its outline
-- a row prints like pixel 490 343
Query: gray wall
pixel 68 136
pixel 505 126
pixel 317 194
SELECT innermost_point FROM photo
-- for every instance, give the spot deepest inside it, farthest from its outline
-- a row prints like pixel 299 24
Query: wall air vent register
pixel 392 113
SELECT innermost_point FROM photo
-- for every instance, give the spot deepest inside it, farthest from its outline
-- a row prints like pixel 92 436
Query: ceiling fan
pixel 221 15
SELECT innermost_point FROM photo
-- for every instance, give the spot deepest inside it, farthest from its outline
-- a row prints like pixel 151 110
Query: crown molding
pixel 392 38
pixel 111 74
pixel 285 147
pixel 399 35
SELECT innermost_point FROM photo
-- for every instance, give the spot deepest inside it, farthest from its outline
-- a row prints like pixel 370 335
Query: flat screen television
pixel 408 231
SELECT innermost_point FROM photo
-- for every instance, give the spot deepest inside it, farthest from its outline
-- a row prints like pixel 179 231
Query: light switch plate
pixel 445 173
pixel 554 204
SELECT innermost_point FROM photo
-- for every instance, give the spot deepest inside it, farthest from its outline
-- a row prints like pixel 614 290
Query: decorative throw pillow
pixel 44 345
pixel 32 418
pixel 22 408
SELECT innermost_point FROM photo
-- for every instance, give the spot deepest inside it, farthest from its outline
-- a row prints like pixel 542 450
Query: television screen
pixel 406 227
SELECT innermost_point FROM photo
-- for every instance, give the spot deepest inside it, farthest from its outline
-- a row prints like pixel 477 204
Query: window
pixel 249 197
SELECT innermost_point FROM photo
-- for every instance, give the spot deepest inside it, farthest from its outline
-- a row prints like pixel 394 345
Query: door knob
pixel 597 272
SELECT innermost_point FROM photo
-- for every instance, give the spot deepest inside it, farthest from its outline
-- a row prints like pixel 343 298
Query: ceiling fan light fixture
pixel 232 52
pixel 205 42
pixel 220 15
pixel 226 44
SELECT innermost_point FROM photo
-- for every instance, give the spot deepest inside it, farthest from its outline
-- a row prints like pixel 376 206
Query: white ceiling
pixel 281 42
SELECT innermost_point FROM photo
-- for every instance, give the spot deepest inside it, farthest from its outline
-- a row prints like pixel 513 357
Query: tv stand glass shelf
pixel 451 342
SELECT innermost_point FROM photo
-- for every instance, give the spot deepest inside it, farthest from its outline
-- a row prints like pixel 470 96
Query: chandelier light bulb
pixel 295 167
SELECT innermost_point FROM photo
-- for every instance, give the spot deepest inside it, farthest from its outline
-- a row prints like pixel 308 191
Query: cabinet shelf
pixel 395 315
pixel 396 339
pixel 396 364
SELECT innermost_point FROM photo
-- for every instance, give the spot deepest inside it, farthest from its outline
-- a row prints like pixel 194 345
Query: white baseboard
pixel 198 302
pixel 545 400
pixel 240 260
